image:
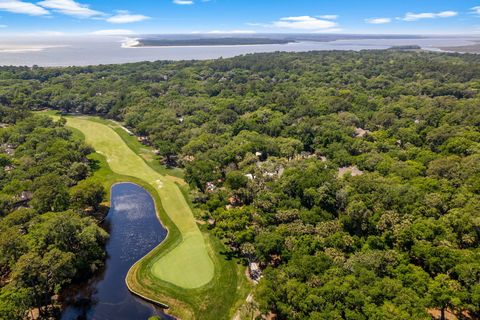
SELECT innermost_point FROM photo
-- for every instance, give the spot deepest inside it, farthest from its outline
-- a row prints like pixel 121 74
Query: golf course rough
pixel 188 265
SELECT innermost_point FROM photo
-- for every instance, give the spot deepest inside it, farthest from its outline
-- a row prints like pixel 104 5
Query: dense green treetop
pixel 353 178
pixel 48 237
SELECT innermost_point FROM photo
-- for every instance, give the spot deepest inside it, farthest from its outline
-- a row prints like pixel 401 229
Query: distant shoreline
pixel 473 48
pixel 68 51
pixel 199 46
pixel 204 42
pixel 28 49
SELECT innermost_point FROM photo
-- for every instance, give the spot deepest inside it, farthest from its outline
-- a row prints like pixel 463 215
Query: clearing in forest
pixel 186 265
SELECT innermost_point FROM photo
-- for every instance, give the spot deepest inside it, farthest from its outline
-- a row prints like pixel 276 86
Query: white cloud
pixel 123 16
pixel 71 8
pixel 16 6
pixel 256 24
pixel 329 17
pixel 183 2
pixel 112 32
pixel 428 15
pixel 447 14
pixel 378 20
pixel 3 26
pixel 303 23
pixel 476 10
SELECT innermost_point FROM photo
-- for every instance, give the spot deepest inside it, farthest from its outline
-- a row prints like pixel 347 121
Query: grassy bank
pixel 187 271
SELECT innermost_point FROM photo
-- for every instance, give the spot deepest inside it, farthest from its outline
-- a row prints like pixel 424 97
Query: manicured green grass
pixel 152 276
pixel 187 265
pixel 145 152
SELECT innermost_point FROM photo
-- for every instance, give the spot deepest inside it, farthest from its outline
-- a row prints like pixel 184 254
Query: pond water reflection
pixel 134 231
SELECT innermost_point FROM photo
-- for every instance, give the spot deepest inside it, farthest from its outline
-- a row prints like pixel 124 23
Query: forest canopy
pixel 351 178
pixel 48 235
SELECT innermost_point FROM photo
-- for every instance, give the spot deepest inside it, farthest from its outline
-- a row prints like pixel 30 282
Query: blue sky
pixel 239 16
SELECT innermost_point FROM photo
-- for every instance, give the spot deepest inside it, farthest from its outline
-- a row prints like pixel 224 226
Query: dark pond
pixel 134 231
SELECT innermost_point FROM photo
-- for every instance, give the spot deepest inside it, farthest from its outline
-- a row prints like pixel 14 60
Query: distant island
pixel 235 40
pixel 405 48
pixel 209 42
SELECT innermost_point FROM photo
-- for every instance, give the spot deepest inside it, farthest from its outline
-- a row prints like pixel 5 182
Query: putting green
pixel 187 265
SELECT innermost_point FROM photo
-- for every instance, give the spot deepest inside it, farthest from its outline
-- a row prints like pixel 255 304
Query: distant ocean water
pixel 82 51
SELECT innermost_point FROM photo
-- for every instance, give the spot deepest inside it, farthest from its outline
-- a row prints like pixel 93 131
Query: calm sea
pixel 81 51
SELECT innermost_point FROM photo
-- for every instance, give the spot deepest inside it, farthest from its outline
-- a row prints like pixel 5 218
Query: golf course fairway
pixel 188 264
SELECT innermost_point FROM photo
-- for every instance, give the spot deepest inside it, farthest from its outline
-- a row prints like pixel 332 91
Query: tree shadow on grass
pixel 94 165
pixel 229 255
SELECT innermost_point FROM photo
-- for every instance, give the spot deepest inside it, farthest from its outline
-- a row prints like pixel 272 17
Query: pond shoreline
pixel 183 282
pixel 135 231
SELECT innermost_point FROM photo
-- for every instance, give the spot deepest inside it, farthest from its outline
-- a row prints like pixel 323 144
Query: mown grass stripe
pixel 188 265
